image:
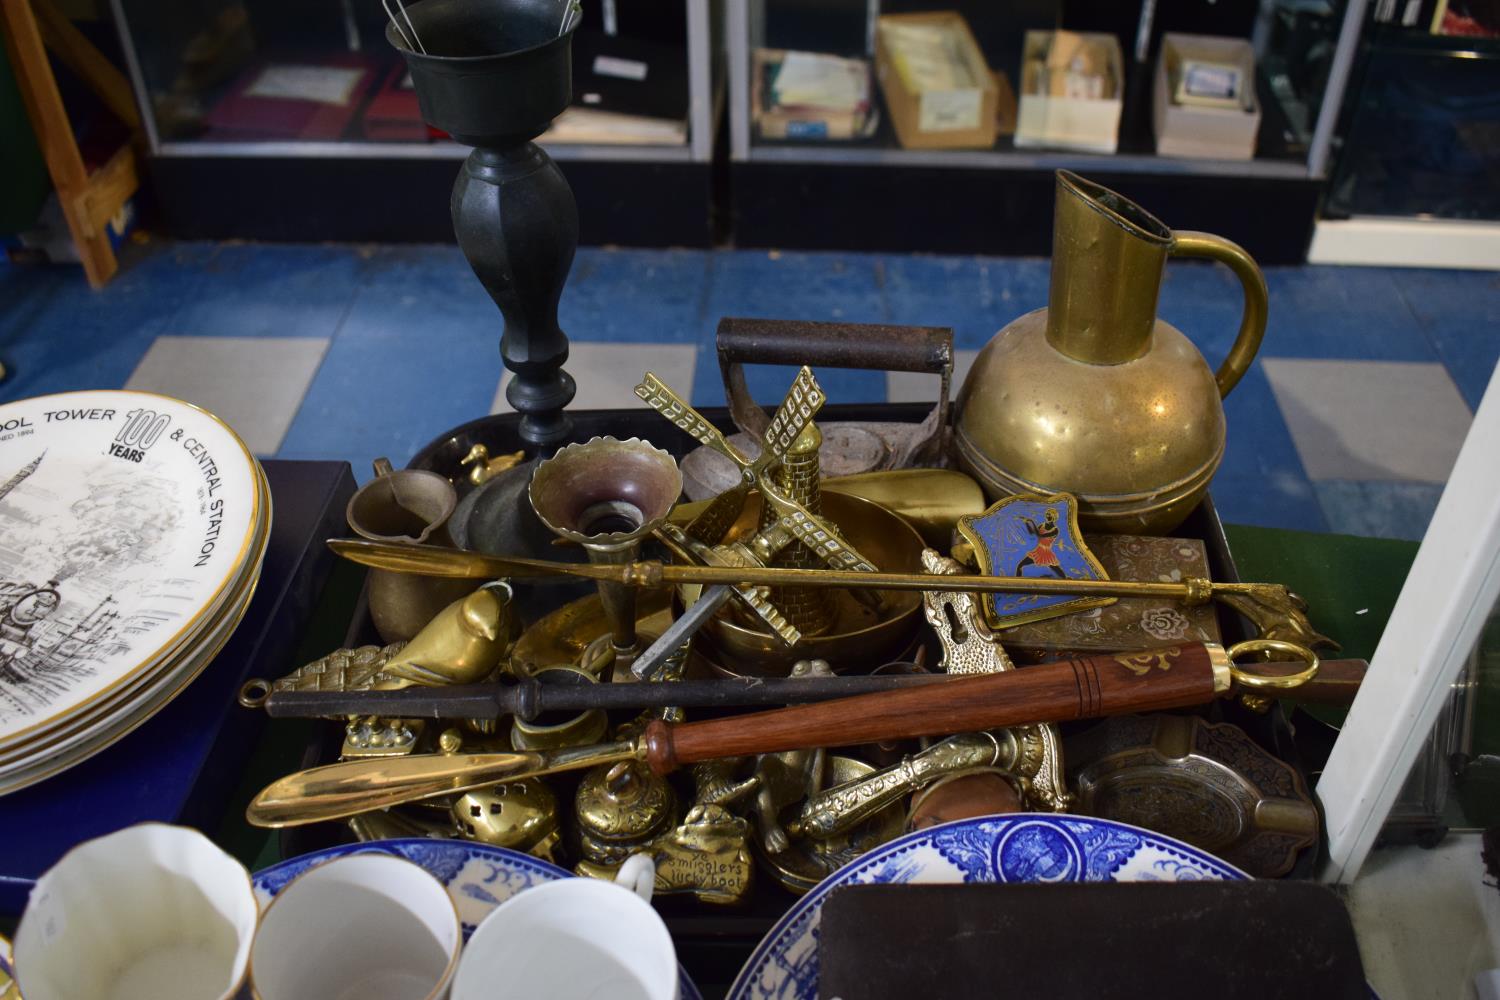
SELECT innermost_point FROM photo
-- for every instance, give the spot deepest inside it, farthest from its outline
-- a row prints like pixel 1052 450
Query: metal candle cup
pixel 606 495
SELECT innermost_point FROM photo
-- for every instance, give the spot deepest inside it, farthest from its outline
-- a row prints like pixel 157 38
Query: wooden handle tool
pixel 1055 692
pixel 1085 688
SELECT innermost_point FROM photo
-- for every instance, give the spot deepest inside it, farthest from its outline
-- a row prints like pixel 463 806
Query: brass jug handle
pixel 1186 243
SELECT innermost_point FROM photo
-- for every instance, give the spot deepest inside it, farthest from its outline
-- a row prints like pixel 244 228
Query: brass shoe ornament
pixel 706 856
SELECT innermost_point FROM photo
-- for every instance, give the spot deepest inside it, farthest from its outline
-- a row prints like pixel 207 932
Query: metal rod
pixel 682 630
pixel 1336 683
pixel 438 561
pixel 527 699
pixel 1332 104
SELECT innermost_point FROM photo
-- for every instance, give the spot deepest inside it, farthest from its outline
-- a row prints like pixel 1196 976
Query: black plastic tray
pixel 714 942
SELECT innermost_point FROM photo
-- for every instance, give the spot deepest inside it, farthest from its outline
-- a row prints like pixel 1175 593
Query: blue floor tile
pixel 1205 302
pixel 1378 509
pixel 635 296
pixel 414 338
pixel 255 290
pixel 1283 500
pixel 1257 440
pixel 1460 313
pixel 976 296
pixel 417 354
pixel 806 286
pixel 1261 480
pixel 73 337
pixel 1342 312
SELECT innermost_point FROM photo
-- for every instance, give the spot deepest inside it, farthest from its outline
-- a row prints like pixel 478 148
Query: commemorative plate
pixel 1022 847
pixel 478 877
pixel 132 527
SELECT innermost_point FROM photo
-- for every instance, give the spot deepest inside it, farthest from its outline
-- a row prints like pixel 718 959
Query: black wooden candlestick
pixel 494 75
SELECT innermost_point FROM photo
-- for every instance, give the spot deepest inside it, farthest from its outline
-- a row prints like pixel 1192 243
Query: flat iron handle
pixel 872 346
pixel 1188 243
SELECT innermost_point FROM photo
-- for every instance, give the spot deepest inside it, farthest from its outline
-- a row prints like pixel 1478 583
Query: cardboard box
pixel 803 122
pixel 1209 132
pixel 947 117
pixel 1060 122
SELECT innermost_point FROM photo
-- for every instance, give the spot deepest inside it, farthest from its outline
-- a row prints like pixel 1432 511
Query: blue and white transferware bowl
pixel 1023 847
pixel 478 877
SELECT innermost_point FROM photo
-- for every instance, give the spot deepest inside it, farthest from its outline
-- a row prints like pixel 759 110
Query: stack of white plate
pixel 132 529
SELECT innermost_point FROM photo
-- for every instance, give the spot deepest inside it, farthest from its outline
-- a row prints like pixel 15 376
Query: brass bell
pixel 621 808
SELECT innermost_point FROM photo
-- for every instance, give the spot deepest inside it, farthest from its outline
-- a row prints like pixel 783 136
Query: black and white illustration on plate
pixel 85 584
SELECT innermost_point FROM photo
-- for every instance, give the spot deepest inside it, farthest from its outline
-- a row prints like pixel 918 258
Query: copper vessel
pixel 1096 396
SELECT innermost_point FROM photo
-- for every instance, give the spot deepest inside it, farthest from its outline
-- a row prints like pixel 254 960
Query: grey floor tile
pixel 1378 510
pixel 916 387
pixel 608 373
pixel 254 384
pixel 1371 420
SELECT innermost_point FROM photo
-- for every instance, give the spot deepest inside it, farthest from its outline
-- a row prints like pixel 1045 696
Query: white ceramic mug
pixel 574 939
pixel 152 912
pixel 360 927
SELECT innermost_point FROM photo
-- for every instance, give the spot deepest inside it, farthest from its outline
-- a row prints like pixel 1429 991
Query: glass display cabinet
pixel 803 178
pixel 1416 755
pixel 1418 147
pixel 1423 131
pixel 306 111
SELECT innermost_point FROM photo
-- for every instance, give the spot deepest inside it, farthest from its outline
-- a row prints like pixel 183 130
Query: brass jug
pixel 1096 396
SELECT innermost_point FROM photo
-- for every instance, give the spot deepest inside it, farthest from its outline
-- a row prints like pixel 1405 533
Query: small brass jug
pixel 1096 396
pixel 405 507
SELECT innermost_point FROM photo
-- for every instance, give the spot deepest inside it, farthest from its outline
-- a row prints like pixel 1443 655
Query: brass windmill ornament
pixel 785 475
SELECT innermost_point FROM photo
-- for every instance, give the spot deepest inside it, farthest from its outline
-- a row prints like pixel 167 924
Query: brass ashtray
pixel 1204 783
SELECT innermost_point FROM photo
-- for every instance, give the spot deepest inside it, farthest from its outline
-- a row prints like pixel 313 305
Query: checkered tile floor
pixel 1349 421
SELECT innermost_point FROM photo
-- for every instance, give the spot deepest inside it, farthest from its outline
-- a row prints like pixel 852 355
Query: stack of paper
pixel 814 80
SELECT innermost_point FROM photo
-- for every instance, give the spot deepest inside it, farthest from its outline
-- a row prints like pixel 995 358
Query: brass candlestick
pixel 607 495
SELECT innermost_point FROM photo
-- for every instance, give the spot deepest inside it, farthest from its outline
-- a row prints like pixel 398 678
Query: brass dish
pixel 859 638
pixel 1209 785
pixel 564 635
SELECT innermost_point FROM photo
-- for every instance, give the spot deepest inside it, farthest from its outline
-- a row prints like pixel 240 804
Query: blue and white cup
pixel 574 939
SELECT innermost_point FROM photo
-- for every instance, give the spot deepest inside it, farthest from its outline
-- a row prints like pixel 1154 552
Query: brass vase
pixel 1096 396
